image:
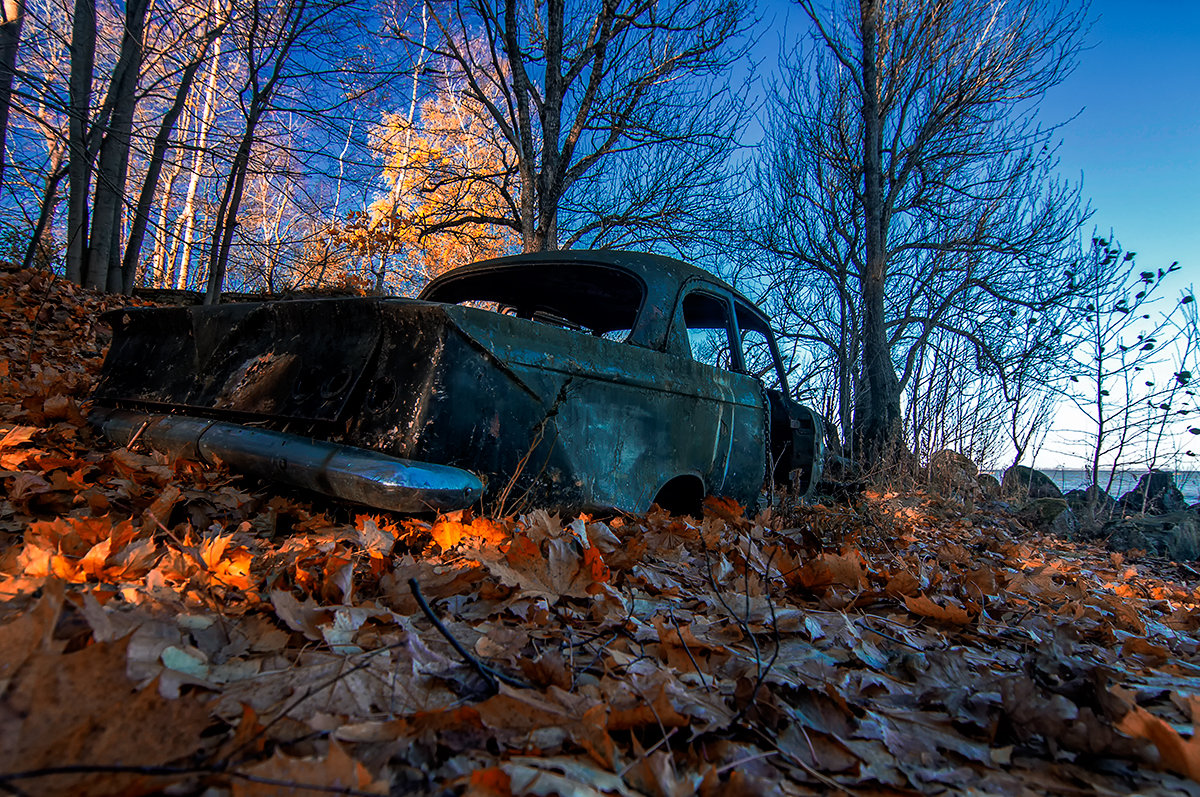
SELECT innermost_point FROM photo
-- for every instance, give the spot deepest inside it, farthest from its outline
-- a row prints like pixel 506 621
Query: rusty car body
pixel 585 380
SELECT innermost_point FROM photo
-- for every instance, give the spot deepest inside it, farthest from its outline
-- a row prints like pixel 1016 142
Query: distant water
pixel 1123 481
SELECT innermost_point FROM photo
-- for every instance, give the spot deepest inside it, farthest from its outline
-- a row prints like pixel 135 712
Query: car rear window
pixel 588 297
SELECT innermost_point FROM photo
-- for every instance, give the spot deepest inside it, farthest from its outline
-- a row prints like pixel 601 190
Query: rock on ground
pixel 1155 494
pixel 1021 482
pixel 1175 535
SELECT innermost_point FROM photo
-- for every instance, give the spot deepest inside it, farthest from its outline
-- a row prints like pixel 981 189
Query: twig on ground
pixel 688 651
pixel 152 771
pixel 489 674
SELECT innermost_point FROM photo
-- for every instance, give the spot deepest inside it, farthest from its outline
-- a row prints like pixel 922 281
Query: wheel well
pixel 682 495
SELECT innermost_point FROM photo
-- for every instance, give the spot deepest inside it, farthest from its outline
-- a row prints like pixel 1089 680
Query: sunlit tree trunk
pixel 161 265
pixel 162 141
pixel 186 224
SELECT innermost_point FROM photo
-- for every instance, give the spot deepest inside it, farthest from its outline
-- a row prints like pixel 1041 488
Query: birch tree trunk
pixel 160 266
pixel 162 139
pixel 187 218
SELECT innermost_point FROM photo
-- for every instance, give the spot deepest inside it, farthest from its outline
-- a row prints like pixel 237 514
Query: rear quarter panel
pixel 618 421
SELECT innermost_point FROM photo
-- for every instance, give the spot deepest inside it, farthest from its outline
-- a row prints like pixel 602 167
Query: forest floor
pixel 165 626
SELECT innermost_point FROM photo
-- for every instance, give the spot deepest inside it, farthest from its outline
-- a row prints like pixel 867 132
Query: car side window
pixel 757 352
pixel 707 320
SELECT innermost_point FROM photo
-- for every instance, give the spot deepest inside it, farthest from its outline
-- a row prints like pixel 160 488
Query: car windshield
pixel 587 297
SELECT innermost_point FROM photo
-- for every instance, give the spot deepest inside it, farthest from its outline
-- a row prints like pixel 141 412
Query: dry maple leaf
pixel 919 604
pixel 307 777
pixel 1174 752
pixel 563 571
pixel 80 709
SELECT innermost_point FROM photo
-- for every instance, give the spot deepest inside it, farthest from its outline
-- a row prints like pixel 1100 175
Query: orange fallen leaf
pixel 308 777
pixel 1174 752
pixel 919 604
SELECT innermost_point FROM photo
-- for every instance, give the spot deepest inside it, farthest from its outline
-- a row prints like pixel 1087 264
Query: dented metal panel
pixel 294 360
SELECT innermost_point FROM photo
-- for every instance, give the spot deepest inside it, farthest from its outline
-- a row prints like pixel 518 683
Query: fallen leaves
pixel 1175 753
pixel 80 708
pixel 164 625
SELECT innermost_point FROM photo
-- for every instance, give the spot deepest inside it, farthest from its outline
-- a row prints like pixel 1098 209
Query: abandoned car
pixel 583 380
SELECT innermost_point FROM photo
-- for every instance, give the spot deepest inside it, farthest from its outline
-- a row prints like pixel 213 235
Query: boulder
pixel 1020 482
pixel 1175 535
pixel 989 485
pixel 840 469
pixel 954 476
pixel 1093 507
pixel 949 461
pixel 1052 514
pixel 1155 494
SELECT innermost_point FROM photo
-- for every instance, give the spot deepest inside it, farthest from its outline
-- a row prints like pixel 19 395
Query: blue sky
pixel 1136 141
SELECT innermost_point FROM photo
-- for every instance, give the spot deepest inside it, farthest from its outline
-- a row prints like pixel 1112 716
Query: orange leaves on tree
pixel 446 170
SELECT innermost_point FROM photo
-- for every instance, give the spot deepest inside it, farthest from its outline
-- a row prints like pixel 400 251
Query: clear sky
pixel 1136 141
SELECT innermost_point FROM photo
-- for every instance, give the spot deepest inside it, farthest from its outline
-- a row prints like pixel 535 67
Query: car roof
pixel 657 272
pixel 661 277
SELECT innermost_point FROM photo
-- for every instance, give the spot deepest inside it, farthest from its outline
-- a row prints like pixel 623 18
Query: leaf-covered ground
pixel 165 626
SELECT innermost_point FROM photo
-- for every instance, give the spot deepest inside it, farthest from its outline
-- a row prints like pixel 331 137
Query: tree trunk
pixel 104 267
pixel 49 202
pixel 260 101
pixel 83 55
pixel 162 140
pixel 10 36
pixel 161 270
pixel 231 200
pixel 877 406
pixel 187 217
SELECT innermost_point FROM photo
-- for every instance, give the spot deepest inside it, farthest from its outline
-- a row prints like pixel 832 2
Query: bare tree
pixel 918 182
pixel 1132 360
pixel 133 248
pixel 112 168
pixel 611 116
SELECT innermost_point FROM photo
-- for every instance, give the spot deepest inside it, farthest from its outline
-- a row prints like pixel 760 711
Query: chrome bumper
pixel 352 474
